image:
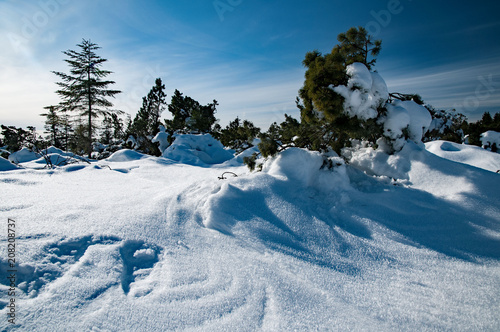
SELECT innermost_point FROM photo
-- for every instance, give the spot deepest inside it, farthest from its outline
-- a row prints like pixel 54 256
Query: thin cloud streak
pixel 252 72
pixel 270 93
pixel 471 89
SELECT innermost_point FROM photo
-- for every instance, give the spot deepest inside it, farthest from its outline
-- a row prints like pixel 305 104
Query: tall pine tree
pixel 85 89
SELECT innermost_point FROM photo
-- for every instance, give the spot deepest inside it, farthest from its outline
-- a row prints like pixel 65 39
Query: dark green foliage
pixel 356 46
pixel 58 126
pixel 237 135
pixel 54 126
pixel 268 146
pixel 189 116
pixel 487 120
pixel 107 130
pixel 84 90
pixel 291 133
pixel 202 118
pixel 316 96
pixel 179 107
pixel 78 142
pixel 405 97
pixel 117 125
pixel 15 139
pixel 290 130
pixel 324 123
pixel 67 129
pixel 251 161
pixel 147 120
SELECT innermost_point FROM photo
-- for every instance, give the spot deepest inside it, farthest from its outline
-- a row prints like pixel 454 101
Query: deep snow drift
pixel 138 243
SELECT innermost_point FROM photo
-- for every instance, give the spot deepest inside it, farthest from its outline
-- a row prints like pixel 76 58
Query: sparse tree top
pixel 356 45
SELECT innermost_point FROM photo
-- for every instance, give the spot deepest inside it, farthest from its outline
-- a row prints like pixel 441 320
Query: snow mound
pixel 465 154
pixel 125 155
pixel 55 159
pixel 420 119
pixel 6 165
pixel 50 155
pixel 54 150
pixel 396 120
pixel 309 169
pixel 379 87
pixel 489 139
pixel 405 116
pixel 359 75
pixel 162 139
pixel 197 150
pixel 238 159
pixel 364 93
pixel 378 162
pixel 22 156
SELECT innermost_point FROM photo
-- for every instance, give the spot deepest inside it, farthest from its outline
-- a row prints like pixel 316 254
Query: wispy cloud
pixel 469 87
pixel 254 71
pixel 241 87
pixel 198 64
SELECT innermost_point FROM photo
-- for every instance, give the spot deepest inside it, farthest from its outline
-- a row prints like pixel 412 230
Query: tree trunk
pixel 89 146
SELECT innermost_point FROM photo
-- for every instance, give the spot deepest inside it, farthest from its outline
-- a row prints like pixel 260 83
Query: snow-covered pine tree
pixel 239 135
pixel 188 116
pixel 322 108
pixel 84 89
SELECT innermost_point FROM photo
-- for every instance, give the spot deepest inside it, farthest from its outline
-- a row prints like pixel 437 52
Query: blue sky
pixel 247 54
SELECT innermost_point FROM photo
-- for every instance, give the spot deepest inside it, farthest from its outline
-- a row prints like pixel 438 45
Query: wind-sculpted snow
pixel 164 246
pixel 466 154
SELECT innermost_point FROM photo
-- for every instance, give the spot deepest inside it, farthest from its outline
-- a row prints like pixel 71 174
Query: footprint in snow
pixel 58 257
pixel 138 257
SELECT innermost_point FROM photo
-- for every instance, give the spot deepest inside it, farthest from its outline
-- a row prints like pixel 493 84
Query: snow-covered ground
pixel 467 154
pixel 137 243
